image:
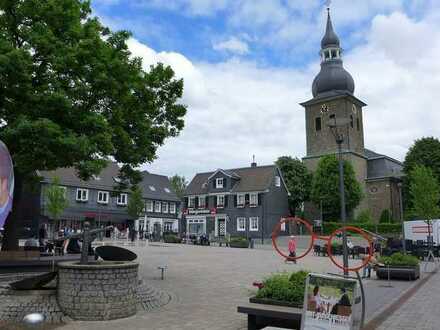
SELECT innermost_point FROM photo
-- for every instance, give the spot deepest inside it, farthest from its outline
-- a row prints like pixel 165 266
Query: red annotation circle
pixel 352 229
pixel 277 230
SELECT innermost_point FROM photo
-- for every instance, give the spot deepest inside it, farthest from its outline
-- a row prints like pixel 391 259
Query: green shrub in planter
pixel 399 259
pixel 171 239
pixel 238 242
pixel 284 287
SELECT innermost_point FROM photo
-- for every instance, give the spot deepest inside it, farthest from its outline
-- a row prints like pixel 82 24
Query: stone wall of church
pixel 383 194
pixel 322 141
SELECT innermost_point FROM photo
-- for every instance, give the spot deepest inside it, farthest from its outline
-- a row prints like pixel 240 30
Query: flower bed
pixel 399 266
pixel 172 239
pixel 283 289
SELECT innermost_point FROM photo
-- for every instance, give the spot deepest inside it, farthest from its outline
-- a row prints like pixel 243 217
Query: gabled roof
pixel 251 179
pixel 370 154
pixel 68 177
pixel 156 186
pixel 229 173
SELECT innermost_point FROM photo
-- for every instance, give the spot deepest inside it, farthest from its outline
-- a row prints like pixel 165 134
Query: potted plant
pixel 398 266
pixel 282 289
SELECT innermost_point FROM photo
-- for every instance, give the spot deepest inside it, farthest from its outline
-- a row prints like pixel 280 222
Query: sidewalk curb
pixel 397 303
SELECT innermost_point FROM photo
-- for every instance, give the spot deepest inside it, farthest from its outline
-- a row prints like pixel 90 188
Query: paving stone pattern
pixel 421 311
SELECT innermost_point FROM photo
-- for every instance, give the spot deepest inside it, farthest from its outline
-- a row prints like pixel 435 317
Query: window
pixel 164 207
pixel 172 207
pixel 191 202
pixel 149 206
pixel 103 197
pixel 96 177
pixel 168 226
pixel 196 227
pixel 220 200
pixel 157 207
pixel 318 124
pixel 64 191
pixel 82 195
pixel 334 54
pixel 241 224
pixel 122 199
pixel 351 121
pixel 152 188
pixel 253 224
pixel 253 199
pixel 358 125
pixel 219 183
pixel 167 190
pixel 327 54
pixel 283 226
pixel 277 181
pixel 202 202
pixel 240 200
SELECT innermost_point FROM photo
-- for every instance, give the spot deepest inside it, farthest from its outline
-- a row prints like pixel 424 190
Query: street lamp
pixel 399 185
pixel 336 127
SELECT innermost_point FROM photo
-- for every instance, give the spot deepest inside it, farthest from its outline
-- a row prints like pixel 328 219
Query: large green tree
pixel 425 193
pixel 425 152
pixel 325 187
pixel 178 183
pixel 298 180
pixel 71 94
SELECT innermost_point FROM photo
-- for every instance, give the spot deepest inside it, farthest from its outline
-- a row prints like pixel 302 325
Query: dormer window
pixel 277 181
pixel 219 182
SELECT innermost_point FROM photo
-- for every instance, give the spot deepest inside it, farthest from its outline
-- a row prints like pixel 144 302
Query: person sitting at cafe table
pixel 344 300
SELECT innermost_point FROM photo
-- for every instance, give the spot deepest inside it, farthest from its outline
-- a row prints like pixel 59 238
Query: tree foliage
pixel 325 187
pixel 71 94
pixel 425 193
pixel 298 181
pixel 135 206
pixel 178 183
pixel 56 198
pixel 426 152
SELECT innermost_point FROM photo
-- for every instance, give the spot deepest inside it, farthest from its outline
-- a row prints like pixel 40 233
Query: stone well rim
pixel 98 265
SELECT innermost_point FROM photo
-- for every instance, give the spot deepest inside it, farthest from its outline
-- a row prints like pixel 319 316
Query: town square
pixel 226 164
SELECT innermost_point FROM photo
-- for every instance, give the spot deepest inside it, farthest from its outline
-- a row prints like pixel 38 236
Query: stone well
pixel 97 291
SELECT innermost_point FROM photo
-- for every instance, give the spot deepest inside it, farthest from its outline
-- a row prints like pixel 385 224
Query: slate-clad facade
pixel 97 201
pixel 237 202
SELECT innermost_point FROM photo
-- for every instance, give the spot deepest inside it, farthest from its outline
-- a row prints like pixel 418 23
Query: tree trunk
pixel 13 221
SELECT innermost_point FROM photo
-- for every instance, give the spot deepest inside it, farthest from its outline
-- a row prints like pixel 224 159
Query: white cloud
pixel 236 108
pixel 232 45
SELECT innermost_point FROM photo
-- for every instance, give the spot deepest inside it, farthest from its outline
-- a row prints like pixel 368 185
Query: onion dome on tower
pixel 332 77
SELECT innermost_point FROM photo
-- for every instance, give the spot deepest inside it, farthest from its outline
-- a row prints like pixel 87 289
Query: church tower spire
pixel 333 78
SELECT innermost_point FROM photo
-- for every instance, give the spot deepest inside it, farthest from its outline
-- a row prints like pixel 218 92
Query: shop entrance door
pixel 221 227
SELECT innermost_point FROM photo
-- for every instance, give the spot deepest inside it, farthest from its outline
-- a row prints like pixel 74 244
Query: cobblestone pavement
pixel 421 311
pixel 206 284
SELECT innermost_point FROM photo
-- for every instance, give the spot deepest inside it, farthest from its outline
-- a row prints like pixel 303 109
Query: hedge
pixel 284 287
pixel 172 239
pixel 399 259
pixel 382 228
pixel 238 242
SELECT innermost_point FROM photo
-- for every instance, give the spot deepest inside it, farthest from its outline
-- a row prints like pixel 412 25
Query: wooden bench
pixel 261 316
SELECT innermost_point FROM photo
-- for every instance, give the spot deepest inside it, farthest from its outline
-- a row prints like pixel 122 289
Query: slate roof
pixel 161 187
pixel 106 181
pixel 68 177
pixel 382 166
pixel 251 179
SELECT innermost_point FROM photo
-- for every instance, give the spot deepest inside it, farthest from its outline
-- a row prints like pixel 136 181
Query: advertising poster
pixel 331 302
pixel 6 183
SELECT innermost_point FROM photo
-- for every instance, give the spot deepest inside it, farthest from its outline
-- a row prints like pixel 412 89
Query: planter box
pixel 273 302
pixel 410 273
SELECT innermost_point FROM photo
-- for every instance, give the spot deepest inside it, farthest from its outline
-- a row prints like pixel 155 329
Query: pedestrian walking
pixel 292 249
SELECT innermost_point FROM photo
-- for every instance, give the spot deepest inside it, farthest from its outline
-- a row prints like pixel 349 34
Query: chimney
pixel 253 164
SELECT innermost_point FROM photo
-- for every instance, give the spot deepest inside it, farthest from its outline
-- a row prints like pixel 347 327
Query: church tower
pixel 334 101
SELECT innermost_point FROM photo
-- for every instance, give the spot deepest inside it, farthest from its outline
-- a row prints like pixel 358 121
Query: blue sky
pixel 248 63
